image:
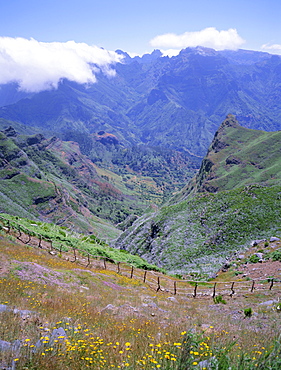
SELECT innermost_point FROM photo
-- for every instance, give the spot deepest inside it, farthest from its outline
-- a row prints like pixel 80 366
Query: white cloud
pixel 274 48
pixel 208 37
pixel 170 52
pixel 39 66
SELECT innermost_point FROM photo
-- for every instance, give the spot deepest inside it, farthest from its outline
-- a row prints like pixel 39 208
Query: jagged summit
pixel 237 156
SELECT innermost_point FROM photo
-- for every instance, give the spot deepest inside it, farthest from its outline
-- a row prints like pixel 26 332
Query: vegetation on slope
pixel 77 191
pixel 197 230
pixel 237 157
pixel 54 315
pixel 66 240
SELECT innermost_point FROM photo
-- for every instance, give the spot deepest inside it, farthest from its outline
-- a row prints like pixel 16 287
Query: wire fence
pixel 155 280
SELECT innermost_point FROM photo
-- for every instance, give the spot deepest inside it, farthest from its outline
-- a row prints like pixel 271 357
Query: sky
pixel 82 35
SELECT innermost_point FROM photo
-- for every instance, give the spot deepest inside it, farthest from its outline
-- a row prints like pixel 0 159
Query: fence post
pixel 118 268
pixel 144 276
pixel 18 237
pixel 271 284
pixel 104 263
pixel 253 286
pixel 195 290
pixel 175 287
pixel 9 227
pixel 40 240
pixel 74 252
pixel 232 289
pixel 214 290
pixel 88 264
pixel 158 282
pixel 132 272
pixel 60 248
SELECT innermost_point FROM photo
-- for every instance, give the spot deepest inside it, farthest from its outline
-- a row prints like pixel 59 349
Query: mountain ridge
pixel 172 102
pixel 203 225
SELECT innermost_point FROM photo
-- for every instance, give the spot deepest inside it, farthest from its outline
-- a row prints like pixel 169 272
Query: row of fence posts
pixel 132 267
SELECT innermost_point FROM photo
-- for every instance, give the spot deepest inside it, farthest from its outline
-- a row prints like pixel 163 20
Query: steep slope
pixel 199 229
pixel 51 179
pixel 237 157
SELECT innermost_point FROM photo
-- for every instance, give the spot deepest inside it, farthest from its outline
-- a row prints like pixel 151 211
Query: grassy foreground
pixel 75 318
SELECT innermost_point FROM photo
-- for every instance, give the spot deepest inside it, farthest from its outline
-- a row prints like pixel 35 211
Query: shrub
pixel 276 255
pixel 254 259
pixel 219 299
pixel 248 312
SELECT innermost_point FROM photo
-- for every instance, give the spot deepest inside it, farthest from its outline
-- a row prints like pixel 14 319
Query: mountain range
pixel 176 103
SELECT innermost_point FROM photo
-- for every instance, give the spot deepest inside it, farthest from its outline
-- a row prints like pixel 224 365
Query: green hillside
pixel 234 199
pixel 238 156
pixel 52 180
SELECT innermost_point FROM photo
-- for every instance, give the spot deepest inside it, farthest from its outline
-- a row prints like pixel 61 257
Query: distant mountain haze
pixel 175 103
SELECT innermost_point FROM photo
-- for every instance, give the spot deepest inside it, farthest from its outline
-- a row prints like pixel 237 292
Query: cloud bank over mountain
pixel 38 66
pixel 274 48
pixel 209 37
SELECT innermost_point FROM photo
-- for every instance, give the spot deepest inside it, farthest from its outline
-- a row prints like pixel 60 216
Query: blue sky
pixel 43 42
pixel 130 25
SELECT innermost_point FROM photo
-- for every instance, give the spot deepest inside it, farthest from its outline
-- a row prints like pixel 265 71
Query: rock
pixel 3 307
pixel 260 256
pixel 225 266
pixel 256 242
pixel 111 308
pixel 150 304
pixel 24 314
pixel 274 239
pixel 268 303
pixel 83 288
pixel 173 299
pixel 5 346
pixel 59 332
pixel 128 307
pixel 209 364
pixel 241 256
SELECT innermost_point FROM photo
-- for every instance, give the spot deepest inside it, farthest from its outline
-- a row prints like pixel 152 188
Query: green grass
pixel 65 239
pixel 199 233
